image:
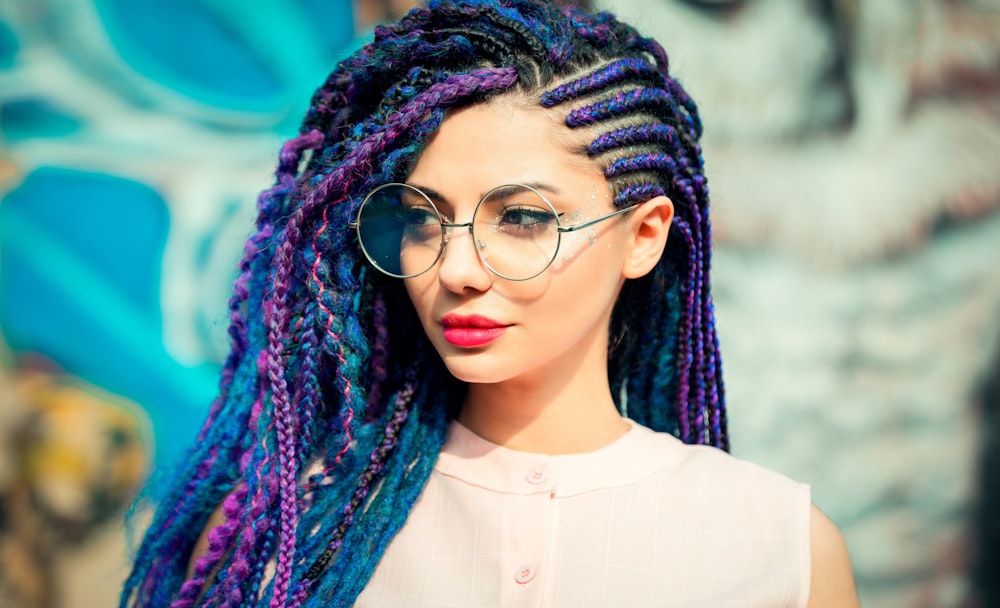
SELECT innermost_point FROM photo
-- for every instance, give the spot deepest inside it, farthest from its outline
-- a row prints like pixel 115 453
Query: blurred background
pixel 853 152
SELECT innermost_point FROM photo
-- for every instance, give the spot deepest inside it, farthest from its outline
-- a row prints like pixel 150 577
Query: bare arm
pixel 832 581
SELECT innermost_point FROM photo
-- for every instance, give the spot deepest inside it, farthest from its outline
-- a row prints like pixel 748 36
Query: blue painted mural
pixel 134 137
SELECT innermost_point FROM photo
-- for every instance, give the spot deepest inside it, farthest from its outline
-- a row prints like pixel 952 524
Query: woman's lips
pixel 471 331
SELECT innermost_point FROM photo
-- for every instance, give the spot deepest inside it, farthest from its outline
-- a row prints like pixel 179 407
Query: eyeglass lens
pixel 515 231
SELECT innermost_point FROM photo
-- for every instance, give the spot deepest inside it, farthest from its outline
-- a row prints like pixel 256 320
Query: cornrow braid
pixel 517 24
pixel 618 104
pixel 653 134
pixel 634 194
pixel 615 73
pixel 642 162
pixel 490 45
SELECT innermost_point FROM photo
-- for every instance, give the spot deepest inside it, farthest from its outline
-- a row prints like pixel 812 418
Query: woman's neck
pixel 555 416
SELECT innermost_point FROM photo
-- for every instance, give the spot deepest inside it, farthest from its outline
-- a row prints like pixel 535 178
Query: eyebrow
pixel 437 197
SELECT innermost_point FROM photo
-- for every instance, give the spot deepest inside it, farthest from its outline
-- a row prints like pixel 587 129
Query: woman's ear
pixel 650 224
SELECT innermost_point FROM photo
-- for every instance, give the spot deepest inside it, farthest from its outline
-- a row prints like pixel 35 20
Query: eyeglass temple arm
pixel 597 220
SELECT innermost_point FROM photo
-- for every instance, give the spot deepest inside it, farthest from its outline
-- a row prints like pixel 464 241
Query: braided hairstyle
pixel 333 405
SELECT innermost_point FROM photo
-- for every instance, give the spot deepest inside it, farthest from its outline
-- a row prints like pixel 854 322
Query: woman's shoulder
pixel 711 469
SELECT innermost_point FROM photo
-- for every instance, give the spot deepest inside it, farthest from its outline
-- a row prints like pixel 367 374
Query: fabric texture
pixel 644 521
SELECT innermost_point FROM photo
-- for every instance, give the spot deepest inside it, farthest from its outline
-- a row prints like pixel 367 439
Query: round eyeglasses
pixel 516 231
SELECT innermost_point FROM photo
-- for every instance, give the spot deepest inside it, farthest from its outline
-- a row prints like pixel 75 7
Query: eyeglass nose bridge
pixel 449 227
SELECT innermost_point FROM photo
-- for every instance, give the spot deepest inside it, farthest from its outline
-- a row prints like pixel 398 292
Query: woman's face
pixel 488 329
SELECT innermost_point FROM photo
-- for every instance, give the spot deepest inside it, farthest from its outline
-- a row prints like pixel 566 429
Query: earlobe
pixel 650 226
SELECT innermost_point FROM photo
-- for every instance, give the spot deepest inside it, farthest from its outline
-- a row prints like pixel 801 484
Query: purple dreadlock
pixel 333 406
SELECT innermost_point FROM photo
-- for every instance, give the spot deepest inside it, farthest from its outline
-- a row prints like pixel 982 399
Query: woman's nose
pixel 461 268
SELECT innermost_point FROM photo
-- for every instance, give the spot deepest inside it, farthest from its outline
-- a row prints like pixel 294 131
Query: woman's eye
pixel 526 217
pixel 419 224
pixel 419 216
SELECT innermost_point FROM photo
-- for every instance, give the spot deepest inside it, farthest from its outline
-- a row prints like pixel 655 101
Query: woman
pixel 489 243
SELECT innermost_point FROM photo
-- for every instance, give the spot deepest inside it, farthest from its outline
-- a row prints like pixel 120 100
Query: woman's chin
pixel 472 376
pixel 474 370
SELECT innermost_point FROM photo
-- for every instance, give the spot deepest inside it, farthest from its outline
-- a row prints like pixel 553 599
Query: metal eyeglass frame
pixel 447 226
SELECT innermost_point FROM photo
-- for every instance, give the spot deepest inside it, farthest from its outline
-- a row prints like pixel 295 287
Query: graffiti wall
pixel 853 152
pixel 135 138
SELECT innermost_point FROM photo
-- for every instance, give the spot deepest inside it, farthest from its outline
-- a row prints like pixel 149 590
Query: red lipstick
pixel 471 331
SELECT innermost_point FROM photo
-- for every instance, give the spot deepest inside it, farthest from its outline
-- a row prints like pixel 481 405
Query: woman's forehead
pixel 506 139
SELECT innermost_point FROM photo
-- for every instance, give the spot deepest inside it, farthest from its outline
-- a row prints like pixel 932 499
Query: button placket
pixel 527 575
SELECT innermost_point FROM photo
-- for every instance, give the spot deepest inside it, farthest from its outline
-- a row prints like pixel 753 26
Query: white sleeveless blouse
pixel 645 521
